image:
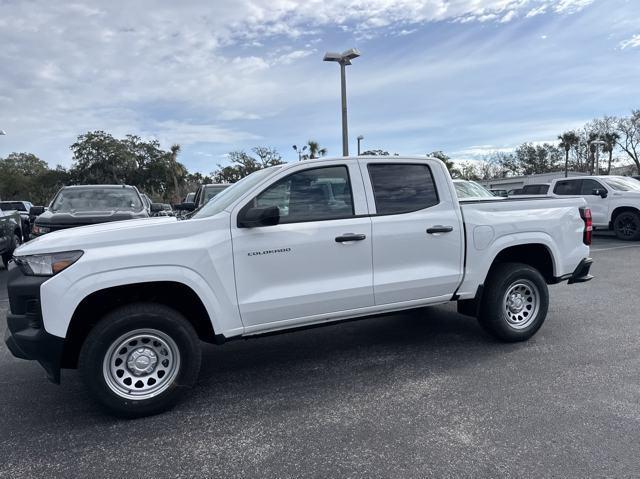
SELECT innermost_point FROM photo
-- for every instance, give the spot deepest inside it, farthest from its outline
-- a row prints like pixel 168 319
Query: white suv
pixel 614 201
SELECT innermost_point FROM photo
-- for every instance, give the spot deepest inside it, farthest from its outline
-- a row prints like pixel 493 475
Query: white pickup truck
pixel 287 247
pixel 614 201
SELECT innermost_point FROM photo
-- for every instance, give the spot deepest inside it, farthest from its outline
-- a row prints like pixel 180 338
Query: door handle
pixel 349 237
pixel 439 229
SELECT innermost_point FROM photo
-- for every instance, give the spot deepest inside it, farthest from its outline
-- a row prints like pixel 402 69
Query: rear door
pixel 317 260
pixel 417 233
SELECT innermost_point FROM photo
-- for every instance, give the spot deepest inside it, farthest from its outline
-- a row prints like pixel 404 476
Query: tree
pixel 375 153
pixel 568 140
pixel 310 151
pixel 448 162
pixel 629 130
pixel 610 139
pixel 243 164
pixel 537 159
pixel 24 176
pixel 99 158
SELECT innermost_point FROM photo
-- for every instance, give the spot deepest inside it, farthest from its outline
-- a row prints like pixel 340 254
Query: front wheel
pixel 138 360
pixel 514 302
pixel 627 226
pixel 6 257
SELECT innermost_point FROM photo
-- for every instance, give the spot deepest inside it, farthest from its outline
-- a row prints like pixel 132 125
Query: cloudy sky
pixel 464 76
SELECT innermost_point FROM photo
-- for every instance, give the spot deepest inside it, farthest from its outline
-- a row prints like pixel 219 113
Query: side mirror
pixel 601 193
pixel 36 210
pixel 254 217
pixel 156 207
pixel 188 206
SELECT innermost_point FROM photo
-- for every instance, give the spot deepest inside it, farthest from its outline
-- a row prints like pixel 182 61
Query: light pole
pixel 343 59
pixel 597 143
pixel 300 151
pixel 360 138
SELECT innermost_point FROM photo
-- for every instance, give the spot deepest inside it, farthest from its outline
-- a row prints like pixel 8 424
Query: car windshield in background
pixel 623 184
pixel 15 205
pixel 212 191
pixel 223 199
pixel 469 189
pixel 97 199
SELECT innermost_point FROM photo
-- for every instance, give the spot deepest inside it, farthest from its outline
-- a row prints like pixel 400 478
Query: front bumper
pixel 25 336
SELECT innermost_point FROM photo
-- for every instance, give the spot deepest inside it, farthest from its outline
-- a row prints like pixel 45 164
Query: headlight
pixel 40 230
pixel 46 264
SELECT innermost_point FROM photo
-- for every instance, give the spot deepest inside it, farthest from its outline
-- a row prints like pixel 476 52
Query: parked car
pixel 540 189
pixel 90 204
pixel 614 201
pixel 500 193
pixel 127 303
pixel 23 208
pixel 202 196
pixel 466 189
pixel 10 234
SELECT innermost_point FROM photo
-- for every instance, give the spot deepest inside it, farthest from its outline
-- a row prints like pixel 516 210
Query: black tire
pixel 515 318
pixel 627 226
pixel 174 335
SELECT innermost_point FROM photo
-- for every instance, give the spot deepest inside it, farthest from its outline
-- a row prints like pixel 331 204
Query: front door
pixel 599 206
pixel 317 260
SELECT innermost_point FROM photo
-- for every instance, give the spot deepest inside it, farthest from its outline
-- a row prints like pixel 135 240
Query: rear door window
pixel 402 188
pixel 567 187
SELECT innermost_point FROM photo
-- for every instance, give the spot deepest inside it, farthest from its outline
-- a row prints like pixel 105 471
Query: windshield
pixel 623 184
pixel 96 199
pixel 470 189
pixel 212 191
pixel 15 205
pixel 225 198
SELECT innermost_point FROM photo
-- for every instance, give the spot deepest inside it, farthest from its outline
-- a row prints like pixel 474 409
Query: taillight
pixel 585 214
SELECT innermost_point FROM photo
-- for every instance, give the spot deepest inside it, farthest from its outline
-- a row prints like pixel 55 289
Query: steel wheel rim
pixel 521 303
pixel 141 364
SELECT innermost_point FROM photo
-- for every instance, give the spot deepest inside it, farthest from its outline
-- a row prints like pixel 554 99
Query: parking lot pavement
pixel 418 394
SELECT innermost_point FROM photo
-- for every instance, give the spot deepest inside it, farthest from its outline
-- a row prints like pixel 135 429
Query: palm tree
pixel 173 163
pixel 568 140
pixel 314 150
pixel 610 139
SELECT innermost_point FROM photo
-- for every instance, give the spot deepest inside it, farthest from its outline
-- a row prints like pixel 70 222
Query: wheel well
pixel 622 209
pixel 95 306
pixel 535 255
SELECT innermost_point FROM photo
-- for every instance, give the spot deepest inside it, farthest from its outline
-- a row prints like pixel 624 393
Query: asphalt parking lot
pixel 420 394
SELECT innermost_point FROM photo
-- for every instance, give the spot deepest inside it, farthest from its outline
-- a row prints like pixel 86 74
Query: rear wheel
pixel 139 359
pixel 627 226
pixel 514 302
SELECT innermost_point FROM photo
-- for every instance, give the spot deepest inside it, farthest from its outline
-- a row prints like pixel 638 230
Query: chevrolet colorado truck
pixel 614 201
pixel 295 245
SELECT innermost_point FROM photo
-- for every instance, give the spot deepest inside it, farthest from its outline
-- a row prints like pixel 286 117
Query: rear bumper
pixel 25 335
pixel 580 274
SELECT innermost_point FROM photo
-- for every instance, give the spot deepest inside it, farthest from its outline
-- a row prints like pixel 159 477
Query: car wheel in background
pixel 627 226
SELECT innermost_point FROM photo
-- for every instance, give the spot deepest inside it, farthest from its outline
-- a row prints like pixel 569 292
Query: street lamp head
pixel 2 132
pixel 360 137
pixel 343 58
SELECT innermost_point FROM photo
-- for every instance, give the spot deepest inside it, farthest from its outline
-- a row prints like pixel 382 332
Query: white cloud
pixel 632 42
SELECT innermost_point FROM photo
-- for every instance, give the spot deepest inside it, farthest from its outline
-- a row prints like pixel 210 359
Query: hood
pixel 107 234
pixel 81 218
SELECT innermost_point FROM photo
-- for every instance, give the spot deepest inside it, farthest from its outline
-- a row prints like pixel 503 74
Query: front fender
pixel 61 295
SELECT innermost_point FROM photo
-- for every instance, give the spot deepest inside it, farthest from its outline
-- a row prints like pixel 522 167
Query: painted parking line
pixel 615 247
